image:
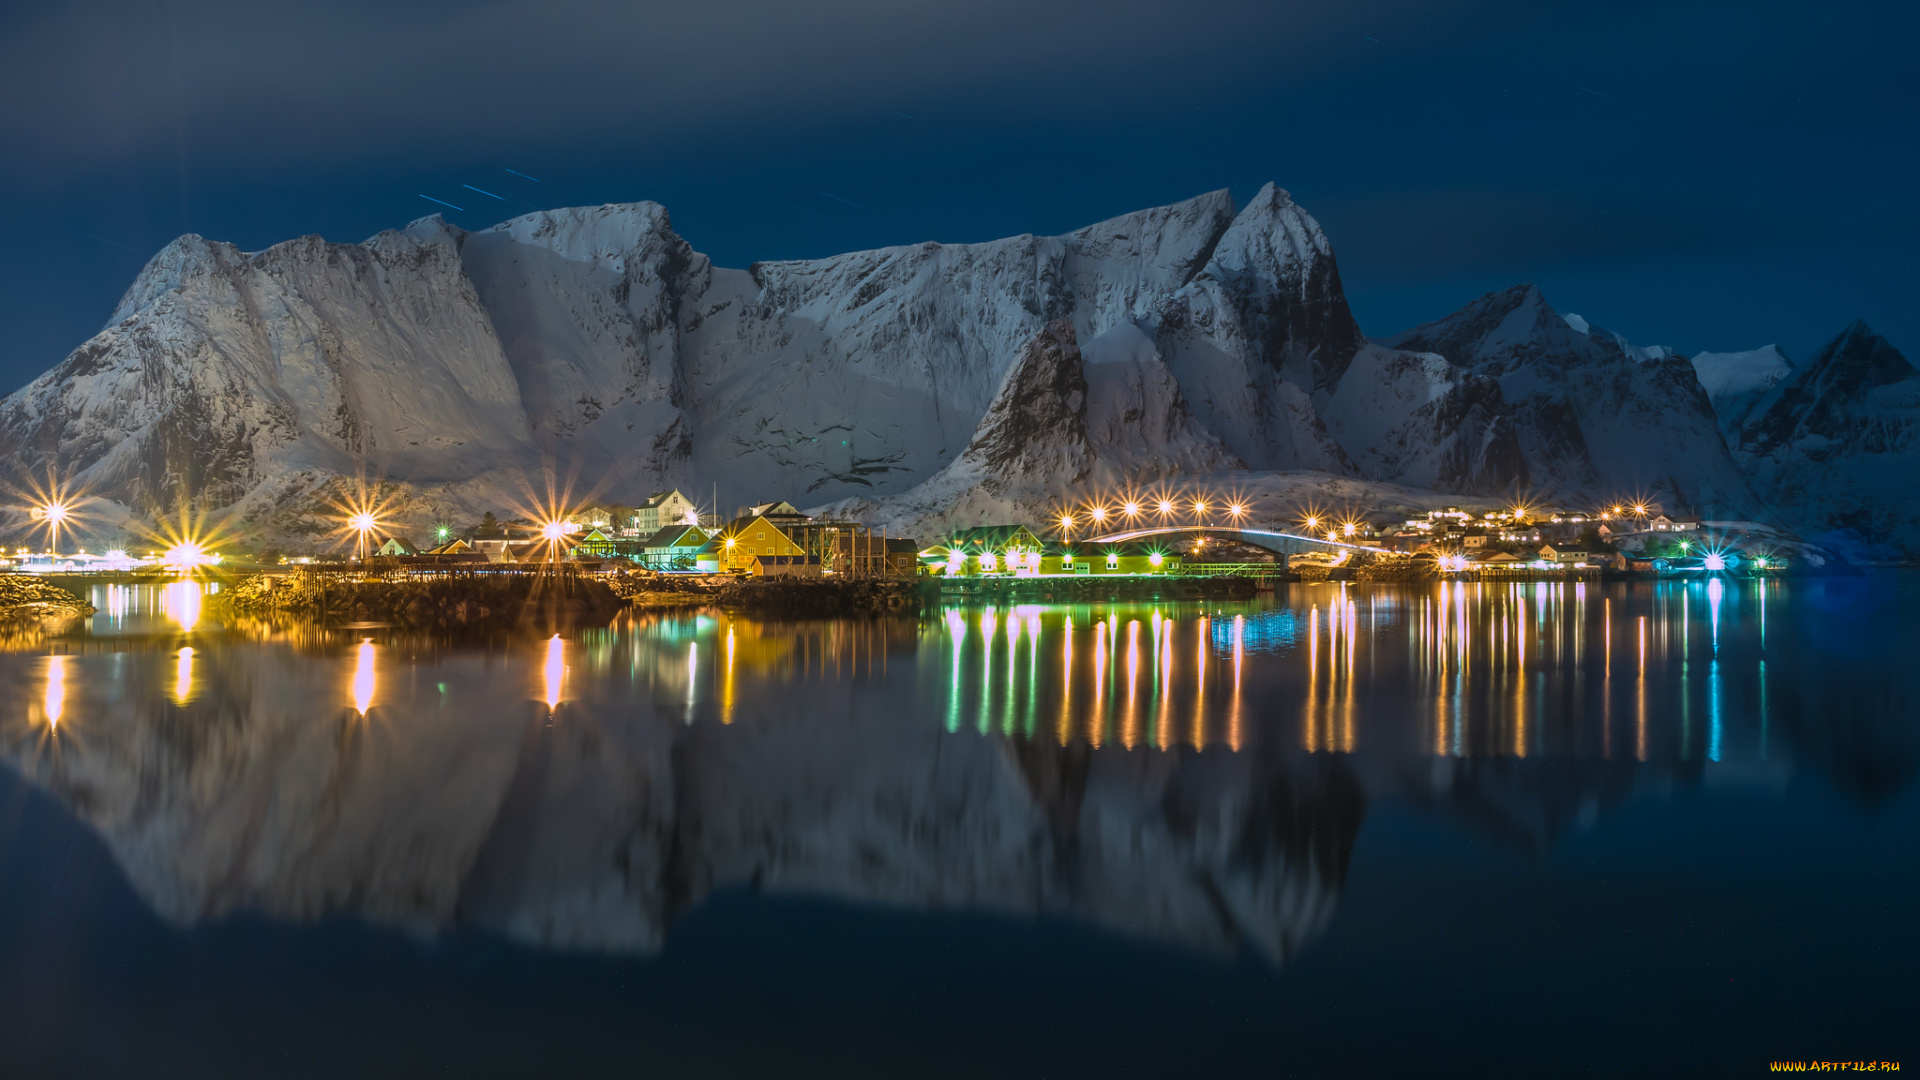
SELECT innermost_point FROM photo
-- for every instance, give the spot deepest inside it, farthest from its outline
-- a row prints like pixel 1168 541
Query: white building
pixel 664 508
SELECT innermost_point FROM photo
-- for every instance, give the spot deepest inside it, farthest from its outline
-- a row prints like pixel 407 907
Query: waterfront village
pixel 669 533
pixel 1195 536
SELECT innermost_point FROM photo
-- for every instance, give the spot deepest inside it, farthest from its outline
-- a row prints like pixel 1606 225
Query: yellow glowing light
pixel 1066 521
pixel 555 670
pixel 1132 509
pixel 1156 558
pixel 183 676
pixel 729 541
pixel 185 556
pixel 1641 510
pixel 1164 506
pixel 182 602
pixel 54 513
pixel 553 530
pixel 1236 509
pixel 1199 507
pixel 1348 528
pixel 55 701
pixel 363 676
pixel 362 522
pixel 1312 522
pixel 1099 513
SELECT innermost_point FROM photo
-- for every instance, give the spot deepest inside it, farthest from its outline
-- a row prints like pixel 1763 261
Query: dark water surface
pixel 1500 830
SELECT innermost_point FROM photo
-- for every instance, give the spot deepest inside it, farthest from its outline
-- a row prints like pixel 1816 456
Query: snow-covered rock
pixel 594 345
pixel 1593 417
pixel 1837 445
pixel 1735 381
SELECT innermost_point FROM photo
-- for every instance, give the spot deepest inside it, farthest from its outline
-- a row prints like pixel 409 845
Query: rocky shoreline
pixel 24 594
pixel 481 601
pixel 829 597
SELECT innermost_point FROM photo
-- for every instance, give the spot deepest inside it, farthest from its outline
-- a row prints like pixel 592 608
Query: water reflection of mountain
pixel 1183 776
pixel 595 828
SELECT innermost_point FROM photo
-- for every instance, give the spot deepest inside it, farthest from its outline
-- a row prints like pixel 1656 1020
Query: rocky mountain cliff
pixel 1836 445
pixel 1588 414
pixel 595 343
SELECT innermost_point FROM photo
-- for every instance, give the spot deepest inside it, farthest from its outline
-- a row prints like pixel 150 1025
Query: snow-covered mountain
pixel 1589 414
pixel 594 344
pixel 594 341
pixel 1837 444
pixel 1735 381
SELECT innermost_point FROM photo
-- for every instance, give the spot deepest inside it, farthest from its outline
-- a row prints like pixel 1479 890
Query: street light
pixel 1236 511
pixel 1165 506
pixel 362 524
pixel 1199 507
pixel 1132 509
pixel 55 514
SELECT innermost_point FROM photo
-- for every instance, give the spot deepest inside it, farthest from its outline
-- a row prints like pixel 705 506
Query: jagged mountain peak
pixel 1490 326
pixel 1836 444
pixel 1860 356
pixel 1594 416
pixel 589 233
pixel 183 257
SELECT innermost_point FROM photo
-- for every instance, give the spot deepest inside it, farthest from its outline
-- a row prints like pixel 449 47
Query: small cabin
pixel 784 566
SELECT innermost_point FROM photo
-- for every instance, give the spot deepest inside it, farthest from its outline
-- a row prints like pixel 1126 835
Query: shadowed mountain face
pixel 1835 446
pixel 1587 412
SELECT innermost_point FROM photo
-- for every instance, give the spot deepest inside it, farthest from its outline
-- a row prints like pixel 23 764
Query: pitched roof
pixel 681 536
pixel 989 537
pixel 738 526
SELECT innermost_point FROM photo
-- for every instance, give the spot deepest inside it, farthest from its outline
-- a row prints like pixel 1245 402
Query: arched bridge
pixel 1278 542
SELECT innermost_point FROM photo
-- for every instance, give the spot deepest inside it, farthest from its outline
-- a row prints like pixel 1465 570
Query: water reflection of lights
pixel 554 670
pixel 363 676
pixel 54 701
pixel 1497 669
pixel 1130 725
pixel 727 684
pixel 183 676
pixel 182 601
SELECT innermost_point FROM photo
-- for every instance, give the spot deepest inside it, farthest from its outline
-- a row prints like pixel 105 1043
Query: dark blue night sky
pixel 1701 175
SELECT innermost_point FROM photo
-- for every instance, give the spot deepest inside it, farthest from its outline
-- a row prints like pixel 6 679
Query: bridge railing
pixel 1233 569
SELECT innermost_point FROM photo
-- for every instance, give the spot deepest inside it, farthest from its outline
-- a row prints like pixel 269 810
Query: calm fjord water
pixel 1479 829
